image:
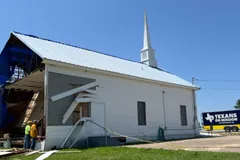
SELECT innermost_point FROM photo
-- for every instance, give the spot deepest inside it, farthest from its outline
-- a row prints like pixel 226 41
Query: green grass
pixel 110 153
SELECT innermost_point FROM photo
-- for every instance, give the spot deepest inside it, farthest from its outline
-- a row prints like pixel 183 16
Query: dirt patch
pixel 216 144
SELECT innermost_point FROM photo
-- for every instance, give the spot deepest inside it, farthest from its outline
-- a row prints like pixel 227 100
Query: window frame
pixel 144 116
pixel 183 115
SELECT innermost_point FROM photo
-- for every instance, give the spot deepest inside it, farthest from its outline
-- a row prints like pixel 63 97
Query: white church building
pixel 76 93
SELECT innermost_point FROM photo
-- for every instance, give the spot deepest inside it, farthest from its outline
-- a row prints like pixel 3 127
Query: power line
pixel 222 89
pixel 217 80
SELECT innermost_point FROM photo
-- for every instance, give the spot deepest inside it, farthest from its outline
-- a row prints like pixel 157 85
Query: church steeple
pixel 147 53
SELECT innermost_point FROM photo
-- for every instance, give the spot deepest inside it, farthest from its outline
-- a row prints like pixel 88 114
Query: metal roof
pixel 60 52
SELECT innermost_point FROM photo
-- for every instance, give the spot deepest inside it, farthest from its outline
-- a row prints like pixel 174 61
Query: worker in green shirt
pixel 27 137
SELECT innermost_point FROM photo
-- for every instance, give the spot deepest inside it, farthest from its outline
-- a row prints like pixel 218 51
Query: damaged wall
pixel 59 83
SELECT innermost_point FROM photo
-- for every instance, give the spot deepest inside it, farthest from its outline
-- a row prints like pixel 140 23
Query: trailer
pixel 222 120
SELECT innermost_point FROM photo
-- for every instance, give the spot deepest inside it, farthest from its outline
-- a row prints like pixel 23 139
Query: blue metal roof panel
pixel 56 51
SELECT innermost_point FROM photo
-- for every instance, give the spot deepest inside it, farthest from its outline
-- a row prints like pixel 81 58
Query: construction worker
pixel 33 134
pixel 27 135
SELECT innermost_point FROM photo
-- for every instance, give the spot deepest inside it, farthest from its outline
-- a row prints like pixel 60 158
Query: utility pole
pixel 194 109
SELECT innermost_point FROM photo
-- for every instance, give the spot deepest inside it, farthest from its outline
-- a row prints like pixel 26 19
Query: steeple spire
pixel 146 40
pixel 147 53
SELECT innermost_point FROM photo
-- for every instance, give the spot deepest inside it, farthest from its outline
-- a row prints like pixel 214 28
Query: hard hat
pixel 29 122
pixel 35 121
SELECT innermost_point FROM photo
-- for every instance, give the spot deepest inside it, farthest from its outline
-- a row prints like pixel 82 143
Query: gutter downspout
pixel 164 112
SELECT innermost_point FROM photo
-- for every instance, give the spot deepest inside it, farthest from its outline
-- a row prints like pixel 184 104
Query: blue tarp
pixel 10 57
pixel 4 69
pixel 5 74
pixel 3 109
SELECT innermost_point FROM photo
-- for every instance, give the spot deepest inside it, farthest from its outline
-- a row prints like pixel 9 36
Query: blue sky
pixel 191 38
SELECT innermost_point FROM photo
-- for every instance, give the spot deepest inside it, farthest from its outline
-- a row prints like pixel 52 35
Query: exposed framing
pixel 79 98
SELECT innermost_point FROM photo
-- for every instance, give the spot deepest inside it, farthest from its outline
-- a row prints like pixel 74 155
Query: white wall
pixel 121 95
pixel 55 136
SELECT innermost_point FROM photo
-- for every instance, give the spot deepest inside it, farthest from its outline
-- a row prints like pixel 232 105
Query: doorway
pixel 82 110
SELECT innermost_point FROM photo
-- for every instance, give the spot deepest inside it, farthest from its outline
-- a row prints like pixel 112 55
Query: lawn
pixel 107 153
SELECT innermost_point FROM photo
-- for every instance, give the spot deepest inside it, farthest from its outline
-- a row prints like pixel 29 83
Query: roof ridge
pixel 98 52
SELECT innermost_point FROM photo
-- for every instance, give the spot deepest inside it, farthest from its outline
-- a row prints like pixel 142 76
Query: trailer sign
pixel 221 118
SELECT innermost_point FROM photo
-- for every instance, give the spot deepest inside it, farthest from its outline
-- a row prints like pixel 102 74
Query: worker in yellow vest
pixel 33 134
pixel 27 135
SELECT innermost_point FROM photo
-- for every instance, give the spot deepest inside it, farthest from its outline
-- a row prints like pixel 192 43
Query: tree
pixel 237 106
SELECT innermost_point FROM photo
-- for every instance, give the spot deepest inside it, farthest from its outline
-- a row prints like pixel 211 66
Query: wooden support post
pixel 73 91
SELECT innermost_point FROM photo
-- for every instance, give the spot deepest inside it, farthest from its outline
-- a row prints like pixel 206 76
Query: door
pixel 98 116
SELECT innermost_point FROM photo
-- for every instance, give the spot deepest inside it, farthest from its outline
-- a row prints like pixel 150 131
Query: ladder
pixel 30 108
